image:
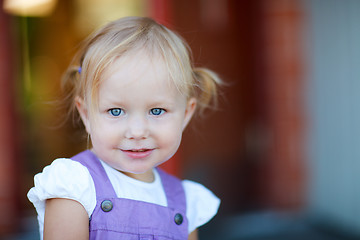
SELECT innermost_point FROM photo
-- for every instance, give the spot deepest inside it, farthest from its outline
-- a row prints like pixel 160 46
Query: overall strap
pixel 102 182
pixel 174 191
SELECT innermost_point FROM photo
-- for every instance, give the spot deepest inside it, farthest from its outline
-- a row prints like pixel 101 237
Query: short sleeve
pixel 202 204
pixel 64 178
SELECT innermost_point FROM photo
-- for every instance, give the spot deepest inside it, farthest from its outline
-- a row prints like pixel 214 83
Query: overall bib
pixel 126 219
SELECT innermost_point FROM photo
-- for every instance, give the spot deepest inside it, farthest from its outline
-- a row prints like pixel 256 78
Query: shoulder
pixel 202 204
pixel 64 178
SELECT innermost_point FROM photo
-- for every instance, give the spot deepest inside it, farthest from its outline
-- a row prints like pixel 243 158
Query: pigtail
pixel 68 87
pixel 207 84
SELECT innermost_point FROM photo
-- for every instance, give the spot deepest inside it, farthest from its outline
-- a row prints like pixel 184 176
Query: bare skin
pixel 67 219
pixel 193 235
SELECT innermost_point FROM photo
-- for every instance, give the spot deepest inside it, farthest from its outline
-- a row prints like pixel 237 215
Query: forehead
pixel 135 65
pixel 137 73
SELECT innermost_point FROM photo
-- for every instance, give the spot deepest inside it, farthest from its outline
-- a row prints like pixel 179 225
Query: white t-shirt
pixel 65 178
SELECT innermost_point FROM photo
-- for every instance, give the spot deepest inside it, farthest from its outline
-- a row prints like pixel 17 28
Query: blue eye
pixel 115 112
pixel 157 111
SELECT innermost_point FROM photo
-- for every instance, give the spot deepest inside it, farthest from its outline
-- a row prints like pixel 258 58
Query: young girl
pixel 135 91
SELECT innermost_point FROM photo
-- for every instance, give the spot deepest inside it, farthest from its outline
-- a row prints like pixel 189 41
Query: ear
pixel 189 111
pixel 83 112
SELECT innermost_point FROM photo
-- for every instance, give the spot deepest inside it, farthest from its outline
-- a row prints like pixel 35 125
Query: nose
pixel 137 128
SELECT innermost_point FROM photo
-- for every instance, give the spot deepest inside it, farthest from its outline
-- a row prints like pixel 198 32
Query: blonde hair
pixel 119 37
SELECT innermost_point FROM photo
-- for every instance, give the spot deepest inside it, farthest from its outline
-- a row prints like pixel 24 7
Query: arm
pixel 193 235
pixel 65 219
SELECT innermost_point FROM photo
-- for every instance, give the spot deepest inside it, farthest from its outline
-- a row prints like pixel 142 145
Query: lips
pixel 138 153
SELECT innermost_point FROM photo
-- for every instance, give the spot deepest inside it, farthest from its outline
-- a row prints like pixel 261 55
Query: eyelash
pixel 162 111
pixel 115 112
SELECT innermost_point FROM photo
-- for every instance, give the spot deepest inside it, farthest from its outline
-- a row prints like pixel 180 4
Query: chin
pixel 137 170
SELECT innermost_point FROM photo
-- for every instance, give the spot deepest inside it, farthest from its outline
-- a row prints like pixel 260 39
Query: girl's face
pixel 140 116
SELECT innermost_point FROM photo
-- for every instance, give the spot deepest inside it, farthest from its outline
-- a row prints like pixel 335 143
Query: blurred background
pixel 282 151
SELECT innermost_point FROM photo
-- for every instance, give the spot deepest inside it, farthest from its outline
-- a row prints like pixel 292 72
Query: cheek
pixel 170 135
pixel 103 133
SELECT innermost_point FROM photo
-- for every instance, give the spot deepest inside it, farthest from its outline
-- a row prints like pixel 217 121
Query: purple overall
pixel 119 218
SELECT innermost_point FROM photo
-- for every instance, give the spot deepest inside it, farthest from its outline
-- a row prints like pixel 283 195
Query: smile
pixel 138 153
pixel 138 150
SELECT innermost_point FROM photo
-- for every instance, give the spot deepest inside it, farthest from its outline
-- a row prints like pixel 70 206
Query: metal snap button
pixel 178 219
pixel 106 205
